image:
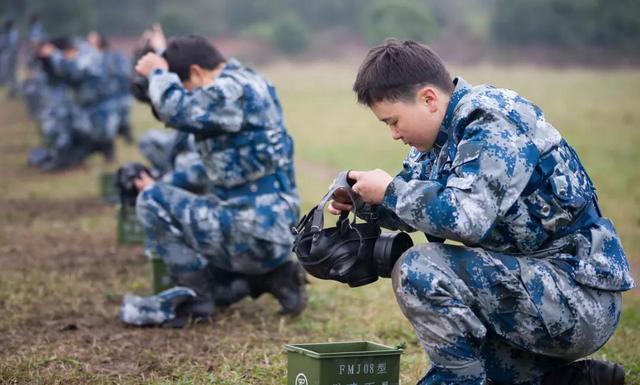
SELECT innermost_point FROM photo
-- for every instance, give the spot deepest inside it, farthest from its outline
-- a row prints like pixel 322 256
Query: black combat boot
pixel 107 151
pixel 586 372
pixel 198 309
pixel 286 283
pixel 124 130
pixel 229 287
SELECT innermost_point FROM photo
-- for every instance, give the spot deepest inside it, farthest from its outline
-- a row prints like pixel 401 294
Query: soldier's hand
pixel 143 181
pixel 370 185
pixel 340 202
pixel 157 40
pixel 150 62
pixel 46 50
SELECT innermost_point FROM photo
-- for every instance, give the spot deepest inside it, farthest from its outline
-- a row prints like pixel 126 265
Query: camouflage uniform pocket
pixel 511 313
pixel 540 278
pixel 544 205
pixel 527 303
pixel 602 261
pixel 565 192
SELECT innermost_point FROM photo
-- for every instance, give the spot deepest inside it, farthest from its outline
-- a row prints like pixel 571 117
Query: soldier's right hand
pixel 143 181
pixel 149 62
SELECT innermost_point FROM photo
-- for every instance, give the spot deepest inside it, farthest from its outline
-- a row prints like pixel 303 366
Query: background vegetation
pixel 287 24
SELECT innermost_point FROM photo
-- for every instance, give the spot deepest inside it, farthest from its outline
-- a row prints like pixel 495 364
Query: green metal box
pixel 343 363
pixel 108 189
pixel 160 278
pixel 130 230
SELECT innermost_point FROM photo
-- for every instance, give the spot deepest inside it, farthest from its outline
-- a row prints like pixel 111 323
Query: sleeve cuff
pixel 157 72
pixel 390 199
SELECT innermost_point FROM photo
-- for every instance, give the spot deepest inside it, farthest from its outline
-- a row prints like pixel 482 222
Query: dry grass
pixel 62 276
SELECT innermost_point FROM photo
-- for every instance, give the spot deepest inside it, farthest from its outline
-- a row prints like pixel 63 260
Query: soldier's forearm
pixel 206 112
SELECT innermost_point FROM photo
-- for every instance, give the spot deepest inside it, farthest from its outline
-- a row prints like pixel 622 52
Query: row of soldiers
pixel 77 89
pixel 531 285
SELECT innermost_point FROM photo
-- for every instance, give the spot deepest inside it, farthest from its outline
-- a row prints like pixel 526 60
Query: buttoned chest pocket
pixel 566 192
pixel 555 202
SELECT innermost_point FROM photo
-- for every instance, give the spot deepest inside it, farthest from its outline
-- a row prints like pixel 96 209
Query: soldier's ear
pixel 194 71
pixel 428 96
pixel 195 75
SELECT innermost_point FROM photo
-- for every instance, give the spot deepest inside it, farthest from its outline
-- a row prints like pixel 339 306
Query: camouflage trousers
pixel 483 315
pixel 61 147
pixel 225 240
pixel 249 235
pixel 98 124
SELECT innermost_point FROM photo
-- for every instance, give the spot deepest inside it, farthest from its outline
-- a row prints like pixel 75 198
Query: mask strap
pixel 341 182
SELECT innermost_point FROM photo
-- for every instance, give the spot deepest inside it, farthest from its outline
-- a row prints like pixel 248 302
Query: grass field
pixel 62 276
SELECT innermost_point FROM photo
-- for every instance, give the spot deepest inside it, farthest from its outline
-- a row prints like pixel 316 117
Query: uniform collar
pixel 232 64
pixel 460 90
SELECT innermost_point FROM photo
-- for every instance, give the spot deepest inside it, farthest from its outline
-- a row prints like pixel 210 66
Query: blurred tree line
pixel 569 23
pixel 290 24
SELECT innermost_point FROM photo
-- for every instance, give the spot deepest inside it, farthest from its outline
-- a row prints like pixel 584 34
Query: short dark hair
pixel 62 43
pixel 34 18
pixel 103 41
pixel 184 51
pixel 394 71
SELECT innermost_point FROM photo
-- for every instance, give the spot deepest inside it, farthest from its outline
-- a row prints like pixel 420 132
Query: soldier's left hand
pixel 150 62
pixel 157 40
pixel 370 185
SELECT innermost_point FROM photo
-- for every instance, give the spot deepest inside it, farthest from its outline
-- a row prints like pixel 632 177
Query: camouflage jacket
pixel 118 71
pixel 236 120
pixel 87 74
pixel 240 136
pixel 474 187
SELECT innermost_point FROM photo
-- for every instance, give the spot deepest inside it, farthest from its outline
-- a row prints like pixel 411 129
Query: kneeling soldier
pixel 242 225
pixel 536 282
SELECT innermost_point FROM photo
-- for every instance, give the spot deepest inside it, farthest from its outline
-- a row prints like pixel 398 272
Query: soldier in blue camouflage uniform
pixel 243 225
pixel 98 120
pixel 35 31
pixel 9 55
pixel 536 279
pixel 116 69
pixel 36 79
pixel 56 114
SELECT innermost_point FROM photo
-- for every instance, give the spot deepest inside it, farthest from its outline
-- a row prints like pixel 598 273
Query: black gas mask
pixel 124 182
pixel 138 84
pixel 352 253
